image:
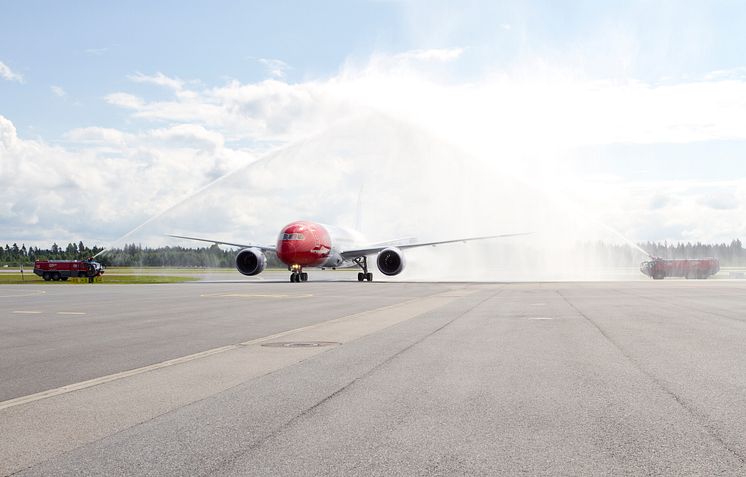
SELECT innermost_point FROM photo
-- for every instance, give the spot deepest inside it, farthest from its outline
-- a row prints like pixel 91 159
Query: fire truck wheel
pixel 46 276
pixel 56 276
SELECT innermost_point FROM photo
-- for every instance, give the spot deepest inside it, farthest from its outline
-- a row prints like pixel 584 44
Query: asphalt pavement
pixel 347 378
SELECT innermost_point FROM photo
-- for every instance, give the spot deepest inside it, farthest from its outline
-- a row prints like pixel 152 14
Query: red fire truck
pixel 659 268
pixel 63 269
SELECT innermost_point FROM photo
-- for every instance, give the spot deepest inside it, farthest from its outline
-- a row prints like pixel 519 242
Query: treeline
pixel 133 255
pixel 15 255
pixel 206 257
pixel 615 255
pixel 730 255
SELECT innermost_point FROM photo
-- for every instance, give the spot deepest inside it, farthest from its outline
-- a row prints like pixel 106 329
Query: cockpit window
pixel 293 237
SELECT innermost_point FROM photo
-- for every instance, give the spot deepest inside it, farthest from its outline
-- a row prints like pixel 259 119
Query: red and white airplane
pixel 304 244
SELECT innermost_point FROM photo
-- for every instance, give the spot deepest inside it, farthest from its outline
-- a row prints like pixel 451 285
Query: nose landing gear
pixel 298 275
pixel 362 262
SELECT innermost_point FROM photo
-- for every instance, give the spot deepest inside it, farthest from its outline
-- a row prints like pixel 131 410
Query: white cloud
pixel 58 91
pixel 434 54
pixel 98 135
pixel 683 210
pixel 102 181
pixel 125 100
pixel 8 136
pixel 189 135
pixel 8 74
pixel 506 111
pixel 269 110
pixel 158 79
pixel 275 68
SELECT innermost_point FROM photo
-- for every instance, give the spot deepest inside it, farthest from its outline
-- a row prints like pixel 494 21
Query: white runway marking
pixel 71 313
pixel 541 318
pixel 21 295
pixel 26 312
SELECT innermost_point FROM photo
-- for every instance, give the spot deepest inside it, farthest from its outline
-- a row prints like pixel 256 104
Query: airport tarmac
pixel 237 377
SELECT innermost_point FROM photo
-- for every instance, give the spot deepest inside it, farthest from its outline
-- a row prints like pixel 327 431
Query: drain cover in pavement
pixel 301 344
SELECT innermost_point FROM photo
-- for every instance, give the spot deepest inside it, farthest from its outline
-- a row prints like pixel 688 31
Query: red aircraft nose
pixel 303 243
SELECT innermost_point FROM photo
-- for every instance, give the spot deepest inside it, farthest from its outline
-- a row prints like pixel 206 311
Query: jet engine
pixel 251 261
pixel 390 261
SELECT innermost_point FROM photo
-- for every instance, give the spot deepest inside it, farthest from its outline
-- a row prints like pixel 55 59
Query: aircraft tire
pixel 46 276
pixel 360 276
pixel 56 277
pixel 369 276
pixel 292 277
pixel 304 277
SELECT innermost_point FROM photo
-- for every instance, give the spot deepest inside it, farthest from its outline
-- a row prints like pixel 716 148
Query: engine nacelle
pixel 390 261
pixel 251 261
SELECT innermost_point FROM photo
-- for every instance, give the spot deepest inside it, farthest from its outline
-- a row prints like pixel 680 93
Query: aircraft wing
pixel 350 254
pixel 395 242
pixel 240 245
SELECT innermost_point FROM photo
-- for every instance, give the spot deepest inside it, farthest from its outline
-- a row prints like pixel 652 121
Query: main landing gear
pixel 298 275
pixel 362 262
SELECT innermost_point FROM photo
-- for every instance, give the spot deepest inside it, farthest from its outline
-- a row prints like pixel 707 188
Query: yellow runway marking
pixel 24 312
pixel 253 295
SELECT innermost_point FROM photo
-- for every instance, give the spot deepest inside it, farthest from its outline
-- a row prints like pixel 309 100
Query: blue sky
pixel 604 94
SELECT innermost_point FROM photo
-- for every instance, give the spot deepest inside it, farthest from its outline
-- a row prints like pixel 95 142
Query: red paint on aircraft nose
pixel 303 243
